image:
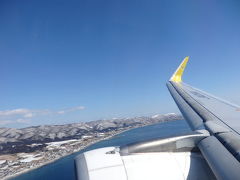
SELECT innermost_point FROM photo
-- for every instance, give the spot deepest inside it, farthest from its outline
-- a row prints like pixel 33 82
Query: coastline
pixel 116 132
pixel 52 161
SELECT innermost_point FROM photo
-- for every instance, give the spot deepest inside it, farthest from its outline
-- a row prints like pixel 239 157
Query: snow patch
pixel 59 143
pixel 2 161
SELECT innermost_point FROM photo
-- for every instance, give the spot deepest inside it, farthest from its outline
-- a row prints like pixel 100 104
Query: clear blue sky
pixel 71 61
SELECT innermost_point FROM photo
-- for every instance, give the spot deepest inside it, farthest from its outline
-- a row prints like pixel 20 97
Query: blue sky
pixel 71 61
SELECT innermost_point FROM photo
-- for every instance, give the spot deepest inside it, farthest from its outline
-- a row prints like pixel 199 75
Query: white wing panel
pixel 155 166
pixel 102 164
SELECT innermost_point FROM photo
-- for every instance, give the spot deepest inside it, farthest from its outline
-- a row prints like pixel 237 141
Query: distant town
pixel 25 149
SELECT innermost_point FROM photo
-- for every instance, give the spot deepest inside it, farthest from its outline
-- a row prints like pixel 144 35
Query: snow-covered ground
pixel 57 144
pixel 34 145
pixel 162 115
pixel 2 161
pixel 84 137
pixel 28 157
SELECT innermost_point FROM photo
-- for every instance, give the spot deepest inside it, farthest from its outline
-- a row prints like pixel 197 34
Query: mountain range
pixel 50 133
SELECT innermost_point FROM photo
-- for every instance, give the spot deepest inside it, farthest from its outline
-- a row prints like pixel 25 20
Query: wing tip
pixel 177 76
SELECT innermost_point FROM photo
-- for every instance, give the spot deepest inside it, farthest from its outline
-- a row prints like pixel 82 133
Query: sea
pixel 64 168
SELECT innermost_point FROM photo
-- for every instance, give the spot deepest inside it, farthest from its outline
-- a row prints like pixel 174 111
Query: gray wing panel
pixel 81 168
pixel 222 163
pixel 194 107
pixel 220 118
pixel 225 113
pixel 193 119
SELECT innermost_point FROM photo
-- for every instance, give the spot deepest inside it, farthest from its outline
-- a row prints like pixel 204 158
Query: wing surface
pixel 219 117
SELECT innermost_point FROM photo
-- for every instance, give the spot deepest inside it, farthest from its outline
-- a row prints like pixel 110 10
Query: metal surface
pixel 220 118
pixel 180 143
pixel 81 168
pixel 108 164
pixel 225 113
pixel 216 126
pixel 221 161
pixel 177 76
pixel 193 119
pixel 231 142
pixel 100 165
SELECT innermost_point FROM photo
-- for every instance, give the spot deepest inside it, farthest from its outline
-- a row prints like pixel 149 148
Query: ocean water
pixel 64 168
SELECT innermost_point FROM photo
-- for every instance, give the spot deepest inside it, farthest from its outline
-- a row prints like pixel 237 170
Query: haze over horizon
pixel 71 61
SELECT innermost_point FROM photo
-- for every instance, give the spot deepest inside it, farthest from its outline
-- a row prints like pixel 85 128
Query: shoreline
pixel 76 151
pixel 54 160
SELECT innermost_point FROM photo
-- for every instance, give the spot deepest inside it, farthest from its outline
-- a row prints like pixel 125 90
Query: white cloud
pixel 80 108
pixel 28 115
pixel 22 112
pixel 5 122
pixel 23 115
pixel 14 112
pixel 61 112
pixel 24 121
pixel 68 110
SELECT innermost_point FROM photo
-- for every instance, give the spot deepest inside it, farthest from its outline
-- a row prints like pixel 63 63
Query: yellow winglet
pixel 177 76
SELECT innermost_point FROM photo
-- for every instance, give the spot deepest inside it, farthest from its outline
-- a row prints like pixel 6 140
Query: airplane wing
pixel 221 118
pixel 211 151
